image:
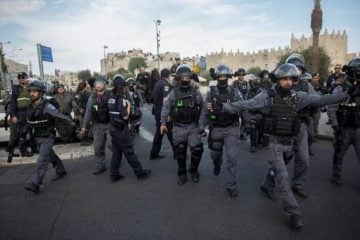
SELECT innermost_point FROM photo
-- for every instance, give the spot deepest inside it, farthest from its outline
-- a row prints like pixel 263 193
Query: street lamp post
pixel 13 50
pixel 157 24
pixel 105 47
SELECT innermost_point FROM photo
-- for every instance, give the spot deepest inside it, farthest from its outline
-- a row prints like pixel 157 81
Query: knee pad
pixel 197 150
pixel 215 145
pixel 180 149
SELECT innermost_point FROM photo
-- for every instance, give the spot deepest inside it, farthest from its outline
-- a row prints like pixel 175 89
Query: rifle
pixel 12 143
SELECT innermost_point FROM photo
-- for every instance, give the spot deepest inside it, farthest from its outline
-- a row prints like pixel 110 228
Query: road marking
pixel 148 136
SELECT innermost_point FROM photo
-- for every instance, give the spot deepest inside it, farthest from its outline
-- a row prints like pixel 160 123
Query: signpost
pixel 44 54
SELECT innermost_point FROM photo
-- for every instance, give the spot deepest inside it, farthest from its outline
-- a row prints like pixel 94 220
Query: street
pixel 84 206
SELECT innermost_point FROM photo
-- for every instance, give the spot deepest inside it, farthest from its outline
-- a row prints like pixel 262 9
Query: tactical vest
pixel 40 123
pixel 135 97
pixel 186 109
pixel 81 99
pixel 116 119
pixel 167 88
pixel 219 118
pixel 348 113
pixel 64 101
pixel 283 118
pixel 99 108
pixel 23 98
pixel 304 114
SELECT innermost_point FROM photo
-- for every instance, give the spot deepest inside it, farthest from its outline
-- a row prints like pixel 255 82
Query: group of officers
pixel 280 103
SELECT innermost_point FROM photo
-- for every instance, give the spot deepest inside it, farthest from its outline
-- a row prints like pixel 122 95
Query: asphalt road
pixel 84 206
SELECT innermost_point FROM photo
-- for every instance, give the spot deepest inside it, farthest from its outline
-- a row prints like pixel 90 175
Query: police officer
pixel 243 87
pixel 280 106
pixel 82 95
pixel 223 127
pixel 346 120
pixel 41 115
pixel 301 147
pixel 183 105
pixel 175 66
pixel 97 112
pixel 19 101
pixel 143 79
pixel 265 82
pixel 138 103
pixel 67 104
pixel 119 111
pixel 161 90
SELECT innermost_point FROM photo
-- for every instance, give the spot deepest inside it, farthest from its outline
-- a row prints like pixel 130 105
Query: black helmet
pixel 22 75
pixel 37 85
pixel 183 71
pixel 222 70
pixel 353 68
pixel 119 81
pixel 240 72
pixel 263 73
pixel 101 79
pixel 286 70
pixel 130 81
pixel 297 59
pixel 306 77
pixel 254 81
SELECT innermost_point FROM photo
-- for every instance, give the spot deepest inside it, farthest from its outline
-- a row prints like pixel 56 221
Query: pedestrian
pixel 223 127
pixel 97 112
pixel 280 106
pixel 119 111
pixel 183 105
pixel 41 115
pixel 161 90
pixel 19 101
pixel 346 120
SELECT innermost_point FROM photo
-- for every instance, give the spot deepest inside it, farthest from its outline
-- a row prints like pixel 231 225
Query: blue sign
pixel 46 54
pixel 202 62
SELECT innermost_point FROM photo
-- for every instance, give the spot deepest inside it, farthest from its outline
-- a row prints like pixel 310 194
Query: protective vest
pixel 167 88
pixel 219 118
pixel 81 99
pixel 99 107
pixel 242 86
pixel 135 96
pixel 116 119
pixel 186 109
pixel 283 118
pixel 23 98
pixel 65 102
pixel 40 123
pixel 348 113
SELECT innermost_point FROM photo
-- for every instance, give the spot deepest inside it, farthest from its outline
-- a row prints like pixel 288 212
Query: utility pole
pixel 316 25
pixel 157 24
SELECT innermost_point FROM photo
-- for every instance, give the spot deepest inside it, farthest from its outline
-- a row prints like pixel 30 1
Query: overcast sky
pixel 77 30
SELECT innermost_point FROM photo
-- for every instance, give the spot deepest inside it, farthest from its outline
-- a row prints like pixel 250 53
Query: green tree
pixel 135 63
pixel 324 61
pixel 254 70
pixel 84 75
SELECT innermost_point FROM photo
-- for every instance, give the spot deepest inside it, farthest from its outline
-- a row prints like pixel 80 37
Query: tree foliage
pixel 135 63
pixel 84 75
pixel 254 70
pixel 324 61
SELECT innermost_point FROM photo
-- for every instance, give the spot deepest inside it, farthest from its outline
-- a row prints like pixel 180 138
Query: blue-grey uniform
pixel 121 139
pixel 41 121
pixel 223 130
pixel 244 88
pixel 183 105
pixel 67 104
pixel 161 90
pixel 98 113
pixel 281 131
pixel 345 120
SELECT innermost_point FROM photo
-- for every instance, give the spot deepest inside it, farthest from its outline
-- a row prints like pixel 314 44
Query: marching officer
pixel 346 120
pixel 183 105
pixel 97 112
pixel 82 95
pixel 41 115
pixel 280 106
pixel 119 111
pixel 161 90
pixel 138 103
pixel 223 127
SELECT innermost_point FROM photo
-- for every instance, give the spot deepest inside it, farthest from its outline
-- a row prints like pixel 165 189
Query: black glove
pixel 247 131
pixel 335 128
pixel 217 106
pixel 323 109
pixel 201 131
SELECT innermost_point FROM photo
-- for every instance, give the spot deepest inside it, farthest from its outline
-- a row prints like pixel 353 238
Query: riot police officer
pixel 223 127
pixel 265 82
pixel 280 106
pixel 82 95
pixel 161 90
pixel 97 112
pixel 19 101
pixel 346 120
pixel 119 111
pixel 243 86
pixel 183 105
pixel 41 115
pixel 67 104
pixel 138 103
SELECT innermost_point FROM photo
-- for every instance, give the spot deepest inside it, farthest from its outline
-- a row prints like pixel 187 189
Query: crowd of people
pixel 278 110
